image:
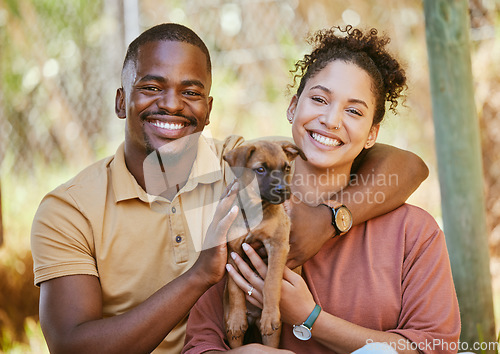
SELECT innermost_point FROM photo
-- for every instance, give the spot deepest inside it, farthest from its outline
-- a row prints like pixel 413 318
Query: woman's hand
pixel 296 300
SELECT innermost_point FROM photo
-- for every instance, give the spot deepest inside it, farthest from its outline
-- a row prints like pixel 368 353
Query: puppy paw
pixel 270 322
pixel 236 326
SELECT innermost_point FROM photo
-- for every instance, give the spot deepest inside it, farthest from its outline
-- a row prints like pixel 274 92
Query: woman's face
pixel 332 119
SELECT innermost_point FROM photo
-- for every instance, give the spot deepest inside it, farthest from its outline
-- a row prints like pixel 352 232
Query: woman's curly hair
pixel 366 50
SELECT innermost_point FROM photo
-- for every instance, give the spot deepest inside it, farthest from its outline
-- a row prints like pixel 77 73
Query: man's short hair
pixel 166 32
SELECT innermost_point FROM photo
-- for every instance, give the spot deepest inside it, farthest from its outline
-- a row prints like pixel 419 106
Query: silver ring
pixel 249 292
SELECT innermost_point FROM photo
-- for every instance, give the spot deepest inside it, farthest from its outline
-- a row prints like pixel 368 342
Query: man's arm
pixel 384 178
pixel 71 306
pixel 71 315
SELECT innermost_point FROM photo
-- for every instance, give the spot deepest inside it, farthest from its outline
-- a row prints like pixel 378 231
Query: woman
pixel 387 280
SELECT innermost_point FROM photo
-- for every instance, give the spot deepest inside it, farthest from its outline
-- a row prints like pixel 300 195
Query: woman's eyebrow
pixel 321 87
pixel 327 90
pixel 361 102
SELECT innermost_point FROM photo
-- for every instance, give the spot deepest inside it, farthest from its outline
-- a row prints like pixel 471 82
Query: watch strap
pixel 312 317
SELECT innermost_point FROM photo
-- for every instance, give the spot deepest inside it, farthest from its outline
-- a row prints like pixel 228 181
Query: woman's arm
pixel 297 303
pixel 382 179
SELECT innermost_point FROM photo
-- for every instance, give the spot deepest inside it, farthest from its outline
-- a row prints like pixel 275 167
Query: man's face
pixel 165 97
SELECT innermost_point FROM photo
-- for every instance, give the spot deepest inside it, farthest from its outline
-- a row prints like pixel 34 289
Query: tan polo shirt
pixel 103 223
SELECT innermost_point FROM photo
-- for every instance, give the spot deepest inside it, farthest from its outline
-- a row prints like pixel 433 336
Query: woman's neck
pixel 314 186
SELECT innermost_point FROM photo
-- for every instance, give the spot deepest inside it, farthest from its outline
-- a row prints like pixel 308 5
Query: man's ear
pixel 372 136
pixel 210 102
pixel 290 112
pixel 120 106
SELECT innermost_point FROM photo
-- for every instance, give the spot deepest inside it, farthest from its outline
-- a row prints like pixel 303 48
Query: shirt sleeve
pixel 61 239
pixel 205 326
pixel 430 316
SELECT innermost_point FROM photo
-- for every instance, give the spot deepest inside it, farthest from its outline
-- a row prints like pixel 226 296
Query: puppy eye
pixel 287 169
pixel 260 170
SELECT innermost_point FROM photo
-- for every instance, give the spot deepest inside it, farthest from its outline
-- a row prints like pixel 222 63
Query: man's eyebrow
pixel 327 90
pixel 193 83
pixel 152 78
pixel 161 79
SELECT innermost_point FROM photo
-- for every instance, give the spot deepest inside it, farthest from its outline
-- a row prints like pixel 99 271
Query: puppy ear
pixel 238 157
pixel 292 151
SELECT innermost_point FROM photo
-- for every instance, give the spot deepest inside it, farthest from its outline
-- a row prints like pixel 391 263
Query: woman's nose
pixel 332 119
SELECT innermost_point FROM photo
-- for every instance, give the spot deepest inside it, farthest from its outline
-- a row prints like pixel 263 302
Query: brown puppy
pixel 263 170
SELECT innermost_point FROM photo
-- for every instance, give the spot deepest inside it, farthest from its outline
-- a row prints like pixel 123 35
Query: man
pixel 115 257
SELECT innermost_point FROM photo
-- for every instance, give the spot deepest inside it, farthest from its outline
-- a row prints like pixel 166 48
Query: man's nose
pixel 171 101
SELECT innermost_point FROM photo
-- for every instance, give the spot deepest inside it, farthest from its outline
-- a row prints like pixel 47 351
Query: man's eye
pixel 192 93
pixel 260 170
pixel 151 88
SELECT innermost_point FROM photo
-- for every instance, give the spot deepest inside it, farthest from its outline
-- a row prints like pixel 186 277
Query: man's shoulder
pixel 221 146
pixel 230 142
pixel 91 181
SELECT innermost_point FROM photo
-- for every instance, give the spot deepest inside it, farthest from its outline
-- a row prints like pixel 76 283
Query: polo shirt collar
pixel 206 170
pixel 207 165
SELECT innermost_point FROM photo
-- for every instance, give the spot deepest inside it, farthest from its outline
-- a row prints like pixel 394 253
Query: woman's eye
pixel 260 170
pixel 318 99
pixel 355 111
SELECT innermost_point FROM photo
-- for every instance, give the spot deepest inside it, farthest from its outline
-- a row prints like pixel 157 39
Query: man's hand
pixel 311 228
pixel 212 260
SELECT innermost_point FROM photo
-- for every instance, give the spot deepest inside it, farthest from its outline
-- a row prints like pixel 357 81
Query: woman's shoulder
pixel 410 214
pixel 415 223
pixel 418 228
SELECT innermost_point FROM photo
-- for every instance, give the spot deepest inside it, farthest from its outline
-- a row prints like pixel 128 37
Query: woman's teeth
pixel 169 126
pixel 325 140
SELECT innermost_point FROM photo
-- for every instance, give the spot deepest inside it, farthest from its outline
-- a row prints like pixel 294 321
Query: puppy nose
pixel 281 189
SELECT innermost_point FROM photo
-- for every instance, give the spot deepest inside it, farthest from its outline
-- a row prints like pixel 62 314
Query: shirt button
pixel 174 210
pixel 178 238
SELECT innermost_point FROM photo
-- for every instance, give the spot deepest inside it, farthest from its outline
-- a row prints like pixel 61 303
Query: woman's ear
pixel 372 136
pixel 120 106
pixel 290 112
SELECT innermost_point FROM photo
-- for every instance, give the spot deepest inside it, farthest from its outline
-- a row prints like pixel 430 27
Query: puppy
pixel 269 164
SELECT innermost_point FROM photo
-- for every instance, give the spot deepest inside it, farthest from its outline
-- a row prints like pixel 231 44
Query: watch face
pixel 302 332
pixel 343 219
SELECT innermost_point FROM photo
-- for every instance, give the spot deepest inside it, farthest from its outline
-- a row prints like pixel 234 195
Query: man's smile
pixel 166 125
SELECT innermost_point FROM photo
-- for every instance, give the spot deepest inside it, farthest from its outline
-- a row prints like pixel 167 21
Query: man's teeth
pixel 325 140
pixel 169 126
